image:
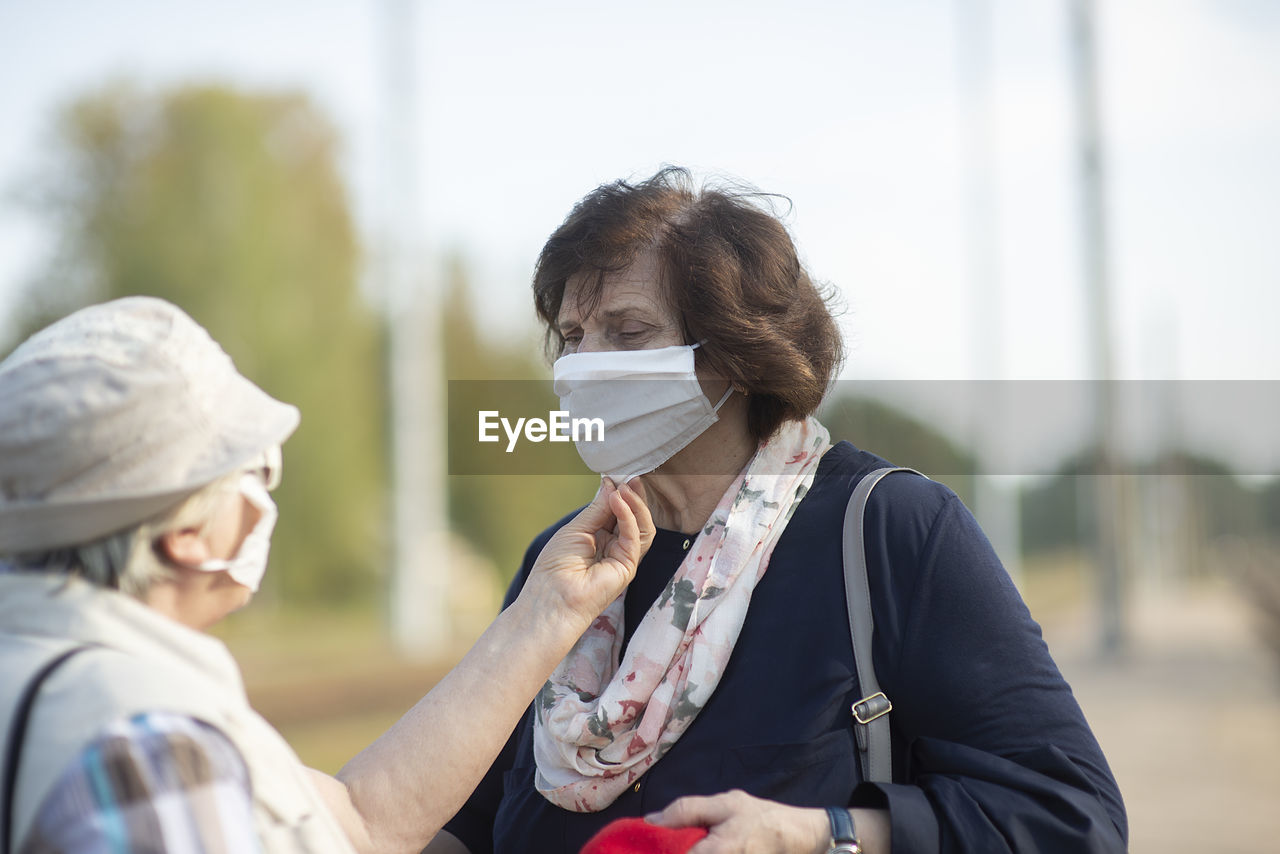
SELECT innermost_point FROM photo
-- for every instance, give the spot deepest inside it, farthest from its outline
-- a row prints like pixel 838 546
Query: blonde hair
pixel 127 560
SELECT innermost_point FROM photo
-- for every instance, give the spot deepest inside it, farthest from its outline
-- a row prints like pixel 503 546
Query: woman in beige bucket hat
pixel 135 464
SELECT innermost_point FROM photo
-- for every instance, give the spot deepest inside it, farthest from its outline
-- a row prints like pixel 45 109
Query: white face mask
pixel 649 400
pixel 250 562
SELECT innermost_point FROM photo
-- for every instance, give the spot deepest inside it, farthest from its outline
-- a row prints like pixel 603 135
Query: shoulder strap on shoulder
pixel 17 732
pixel 871 713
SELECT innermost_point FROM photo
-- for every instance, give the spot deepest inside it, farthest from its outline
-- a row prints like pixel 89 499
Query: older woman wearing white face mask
pixel 135 469
pixel 684 320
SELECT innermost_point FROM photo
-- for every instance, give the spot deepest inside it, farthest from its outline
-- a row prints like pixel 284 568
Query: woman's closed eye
pixel 631 337
pixel 616 339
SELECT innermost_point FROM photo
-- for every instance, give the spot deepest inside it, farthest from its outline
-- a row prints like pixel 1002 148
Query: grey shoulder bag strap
pixel 871 713
pixel 17 733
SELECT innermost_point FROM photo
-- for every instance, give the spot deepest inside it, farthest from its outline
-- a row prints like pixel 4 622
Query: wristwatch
pixel 844 837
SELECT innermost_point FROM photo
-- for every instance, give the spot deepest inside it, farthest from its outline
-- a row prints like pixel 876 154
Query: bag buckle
pixel 869 708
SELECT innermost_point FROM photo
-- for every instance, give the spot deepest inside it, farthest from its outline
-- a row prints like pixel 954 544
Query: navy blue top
pixel 991 752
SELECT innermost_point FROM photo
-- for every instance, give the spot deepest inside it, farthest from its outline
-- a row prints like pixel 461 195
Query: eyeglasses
pixel 270 465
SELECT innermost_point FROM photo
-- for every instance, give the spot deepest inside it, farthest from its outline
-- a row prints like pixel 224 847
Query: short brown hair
pixel 731 272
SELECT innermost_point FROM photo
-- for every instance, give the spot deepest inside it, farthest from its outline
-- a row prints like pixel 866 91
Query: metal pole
pixel 995 505
pixel 419 589
pixel 1109 503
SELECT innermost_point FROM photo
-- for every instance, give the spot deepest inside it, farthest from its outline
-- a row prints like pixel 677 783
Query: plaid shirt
pixel 158 782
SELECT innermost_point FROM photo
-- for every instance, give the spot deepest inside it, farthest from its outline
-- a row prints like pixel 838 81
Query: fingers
pixel 624 546
pixel 601 515
pixel 635 529
pixel 596 516
pixel 637 500
pixel 697 811
pixel 637 485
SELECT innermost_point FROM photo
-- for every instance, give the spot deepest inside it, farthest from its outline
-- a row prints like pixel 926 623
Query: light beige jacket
pixel 147 663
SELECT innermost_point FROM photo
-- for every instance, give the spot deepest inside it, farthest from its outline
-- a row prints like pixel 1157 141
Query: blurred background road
pixel 1189 718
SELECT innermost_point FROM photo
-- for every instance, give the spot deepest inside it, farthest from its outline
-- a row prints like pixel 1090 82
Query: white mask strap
pixel 727 391
pixel 723 398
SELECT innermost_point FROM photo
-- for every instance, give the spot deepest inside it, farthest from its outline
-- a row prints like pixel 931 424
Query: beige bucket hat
pixel 116 413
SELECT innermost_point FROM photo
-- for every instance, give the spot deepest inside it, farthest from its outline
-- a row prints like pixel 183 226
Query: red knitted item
pixel 637 836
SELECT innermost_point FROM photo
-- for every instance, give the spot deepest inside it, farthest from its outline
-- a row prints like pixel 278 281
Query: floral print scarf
pixel 601 724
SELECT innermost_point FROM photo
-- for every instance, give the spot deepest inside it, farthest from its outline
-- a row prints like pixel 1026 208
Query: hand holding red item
pixel 637 836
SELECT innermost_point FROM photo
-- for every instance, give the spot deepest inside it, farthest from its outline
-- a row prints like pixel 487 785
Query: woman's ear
pixel 184 547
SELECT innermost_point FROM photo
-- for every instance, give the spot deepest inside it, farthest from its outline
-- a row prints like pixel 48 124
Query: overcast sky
pixel 862 113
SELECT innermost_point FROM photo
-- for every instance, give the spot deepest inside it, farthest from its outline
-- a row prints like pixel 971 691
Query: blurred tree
pixel 1219 503
pixel 1051 518
pixel 229 204
pixel 1222 505
pixel 891 433
pixel 1270 498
